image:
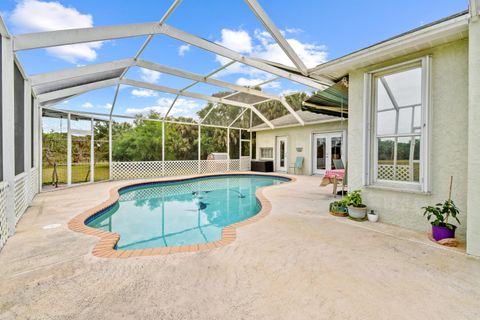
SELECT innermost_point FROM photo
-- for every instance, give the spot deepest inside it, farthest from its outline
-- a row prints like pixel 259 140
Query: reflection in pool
pixel 182 212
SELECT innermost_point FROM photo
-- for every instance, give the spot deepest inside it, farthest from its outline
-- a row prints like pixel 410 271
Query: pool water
pixel 194 211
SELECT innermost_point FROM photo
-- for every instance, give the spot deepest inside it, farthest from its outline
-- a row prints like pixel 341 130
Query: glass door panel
pixel 321 153
pixel 335 150
pixel 327 148
pixel 281 154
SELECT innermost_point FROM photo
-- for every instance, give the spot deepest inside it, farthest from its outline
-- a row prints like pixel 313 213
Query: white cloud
pixel 87 105
pixel 263 46
pixel 252 82
pixel 183 107
pixel 183 49
pixel 149 75
pixel 293 30
pixel 36 16
pixel 144 93
pixel 238 40
pixel 310 53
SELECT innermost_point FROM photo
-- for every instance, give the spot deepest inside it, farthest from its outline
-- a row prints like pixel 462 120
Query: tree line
pixel 141 139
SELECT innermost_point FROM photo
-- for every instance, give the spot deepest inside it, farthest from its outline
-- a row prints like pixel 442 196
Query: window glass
pixel 398 125
pixel 383 100
pixel 406 86
pixel 405 120
pixel 266 153
pixel 19 115
pixel 386 122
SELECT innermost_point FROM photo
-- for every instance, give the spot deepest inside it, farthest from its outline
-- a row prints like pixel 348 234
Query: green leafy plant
pixel 438 215
pixel 338 206
pixel 354 198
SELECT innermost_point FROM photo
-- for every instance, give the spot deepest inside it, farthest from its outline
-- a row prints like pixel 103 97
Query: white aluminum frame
pixel 83 35
pixel 370 136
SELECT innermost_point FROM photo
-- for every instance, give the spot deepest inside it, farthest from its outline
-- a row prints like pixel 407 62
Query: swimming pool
pixel 181 213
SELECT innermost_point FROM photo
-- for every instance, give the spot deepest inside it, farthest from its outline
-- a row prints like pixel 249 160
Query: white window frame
pixel 270 150
pixel 370 147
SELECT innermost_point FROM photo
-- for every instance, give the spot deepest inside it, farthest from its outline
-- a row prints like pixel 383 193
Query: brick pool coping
pixel 105 248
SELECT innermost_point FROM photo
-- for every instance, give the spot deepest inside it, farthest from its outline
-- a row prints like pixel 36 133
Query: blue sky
pixel 317 30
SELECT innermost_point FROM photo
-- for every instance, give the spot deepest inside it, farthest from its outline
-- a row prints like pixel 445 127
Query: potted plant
pixel 438 217
pixel 339 208
pixel 372 216
pixel 356 209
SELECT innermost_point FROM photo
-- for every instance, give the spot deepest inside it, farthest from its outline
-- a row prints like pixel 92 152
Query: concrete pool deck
pixel 298 262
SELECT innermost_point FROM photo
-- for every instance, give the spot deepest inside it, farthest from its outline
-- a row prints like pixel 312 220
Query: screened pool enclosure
pixel 55 146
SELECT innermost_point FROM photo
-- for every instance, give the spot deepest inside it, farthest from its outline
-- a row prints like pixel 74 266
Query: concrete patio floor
pixel 297 263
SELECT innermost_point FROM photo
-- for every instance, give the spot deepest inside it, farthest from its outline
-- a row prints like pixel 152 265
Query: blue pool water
pixel 183 212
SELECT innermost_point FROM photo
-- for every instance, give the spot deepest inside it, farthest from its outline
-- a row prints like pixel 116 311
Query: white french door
pixel 327 147
pixel 281 154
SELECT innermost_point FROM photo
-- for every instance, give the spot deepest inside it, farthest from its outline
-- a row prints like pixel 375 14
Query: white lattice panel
pixel 153 169
pixel 135 170
pixel 21 194
pixel 387 172
pixel 212 166
pixel 3 214
pixel 234 165
pixel 245 164
pixel 181 168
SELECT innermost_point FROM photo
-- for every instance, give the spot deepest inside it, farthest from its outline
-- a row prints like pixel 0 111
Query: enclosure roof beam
pixel 114 102
pixel 277 35
pixel 238 117
pixel 55 38
pixel 81 35
pixel 171 107
pixel 285 103
pixel 208 112
pixel 198 78
pixel 90 114
pixel 70 73
pixel 167 14
pixel 76 90
pixel 194 95
pixel 266 81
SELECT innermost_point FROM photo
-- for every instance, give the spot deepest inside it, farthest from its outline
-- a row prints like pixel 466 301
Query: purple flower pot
pixel 440 233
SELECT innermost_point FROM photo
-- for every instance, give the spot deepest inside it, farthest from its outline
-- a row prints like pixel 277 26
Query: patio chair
pixel 344 183
pixel 298 165
pixel 338 164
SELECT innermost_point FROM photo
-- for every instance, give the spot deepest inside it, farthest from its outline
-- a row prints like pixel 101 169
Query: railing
pixel 21 194
pixel 26 186
pixel 3 213
pixel 153 169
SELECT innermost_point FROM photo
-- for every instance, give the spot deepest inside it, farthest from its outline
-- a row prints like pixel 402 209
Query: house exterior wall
pixel 448 146
pixel 298 136
pixel 473 228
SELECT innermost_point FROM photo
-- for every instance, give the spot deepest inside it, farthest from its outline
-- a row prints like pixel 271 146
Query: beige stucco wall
pixel 298 136
pixel 473 237
pixel 449 114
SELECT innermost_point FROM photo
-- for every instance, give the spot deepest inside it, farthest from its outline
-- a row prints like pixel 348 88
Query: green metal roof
pixel 332 101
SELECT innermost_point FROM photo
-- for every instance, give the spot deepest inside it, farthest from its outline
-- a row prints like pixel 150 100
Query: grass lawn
pixel 79 173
